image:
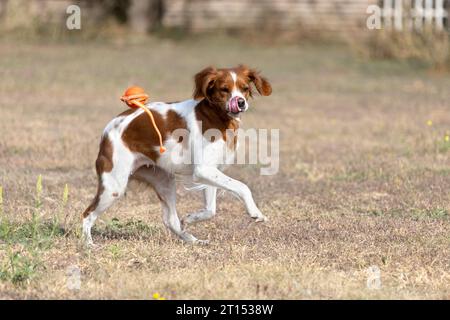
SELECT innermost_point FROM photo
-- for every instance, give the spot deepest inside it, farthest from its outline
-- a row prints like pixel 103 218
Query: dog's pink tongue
pixel 233 105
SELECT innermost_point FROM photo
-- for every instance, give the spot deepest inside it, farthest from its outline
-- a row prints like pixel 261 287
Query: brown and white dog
pixel 129 148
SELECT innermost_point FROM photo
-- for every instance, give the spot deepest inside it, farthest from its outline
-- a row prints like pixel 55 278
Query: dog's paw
pixel 257 216
pixel 201 242
pixel 90 246
pixel 261 218
pixel 187 220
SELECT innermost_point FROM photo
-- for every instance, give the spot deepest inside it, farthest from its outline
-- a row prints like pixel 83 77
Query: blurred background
pixel 410 29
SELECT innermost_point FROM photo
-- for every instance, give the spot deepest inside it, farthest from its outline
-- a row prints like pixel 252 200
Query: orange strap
pixel 138 100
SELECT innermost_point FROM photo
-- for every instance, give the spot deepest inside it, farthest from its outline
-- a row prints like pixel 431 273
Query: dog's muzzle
pixel 236 105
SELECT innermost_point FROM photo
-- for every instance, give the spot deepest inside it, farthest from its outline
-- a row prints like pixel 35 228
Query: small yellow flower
pixel 429 123
pixel 156 296
pixel 447 138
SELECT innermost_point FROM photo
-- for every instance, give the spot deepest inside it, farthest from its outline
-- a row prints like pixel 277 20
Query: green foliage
pixel 21 265
pixel 31 233
pixel 18 268
pixel 443 146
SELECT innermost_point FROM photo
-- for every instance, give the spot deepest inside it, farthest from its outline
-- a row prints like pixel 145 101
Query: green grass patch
pixel 31 233
pixel 19 267
pixel 443 146
pixel 434 213
pixel 443 172
pixel 25 241
pixel 415 213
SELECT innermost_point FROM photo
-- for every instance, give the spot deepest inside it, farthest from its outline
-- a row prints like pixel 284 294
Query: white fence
pixel 415 14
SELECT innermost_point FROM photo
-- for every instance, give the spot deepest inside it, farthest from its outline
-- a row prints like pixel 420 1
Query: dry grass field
pixel 364 178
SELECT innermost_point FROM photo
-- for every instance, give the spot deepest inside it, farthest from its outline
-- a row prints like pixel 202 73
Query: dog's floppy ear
pixel 204 80
pixel 261 84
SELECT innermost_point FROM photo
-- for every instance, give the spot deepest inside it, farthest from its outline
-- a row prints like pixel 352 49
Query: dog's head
pixel 230 88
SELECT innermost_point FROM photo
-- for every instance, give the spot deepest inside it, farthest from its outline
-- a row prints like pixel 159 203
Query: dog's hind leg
pixel 104 198
pixel 164 185
pixel 112 181
pixel 209 195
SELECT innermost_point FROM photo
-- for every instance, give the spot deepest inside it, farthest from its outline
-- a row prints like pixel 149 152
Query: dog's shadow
pixel 126 230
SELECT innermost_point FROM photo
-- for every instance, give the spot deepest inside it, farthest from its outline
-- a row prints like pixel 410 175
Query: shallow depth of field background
pixel 363 183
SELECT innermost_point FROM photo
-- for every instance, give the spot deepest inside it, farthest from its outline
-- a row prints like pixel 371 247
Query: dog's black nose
pixel 241 103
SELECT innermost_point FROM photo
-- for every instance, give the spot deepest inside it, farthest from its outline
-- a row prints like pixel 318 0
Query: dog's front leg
pixel 214 177
pixel 209 210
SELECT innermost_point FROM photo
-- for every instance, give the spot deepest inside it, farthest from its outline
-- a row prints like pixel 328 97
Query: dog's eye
pixel 245 89
pixel 224 89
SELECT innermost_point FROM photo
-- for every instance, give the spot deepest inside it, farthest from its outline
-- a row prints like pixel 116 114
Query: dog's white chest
pixel 180 159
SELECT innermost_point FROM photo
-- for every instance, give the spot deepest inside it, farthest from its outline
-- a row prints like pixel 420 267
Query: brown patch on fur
pixel 140 136
pixel 174 121
pixel 214 117
pixel 104 159
pixel 204 81
pixel 246 75
pixel 103 164
pixel 94 202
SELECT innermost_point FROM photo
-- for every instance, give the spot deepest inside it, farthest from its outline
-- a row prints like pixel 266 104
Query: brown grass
pixel 363 180
pixel 429 47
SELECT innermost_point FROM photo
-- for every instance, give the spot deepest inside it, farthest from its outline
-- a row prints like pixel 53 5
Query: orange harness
pixel 135 97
